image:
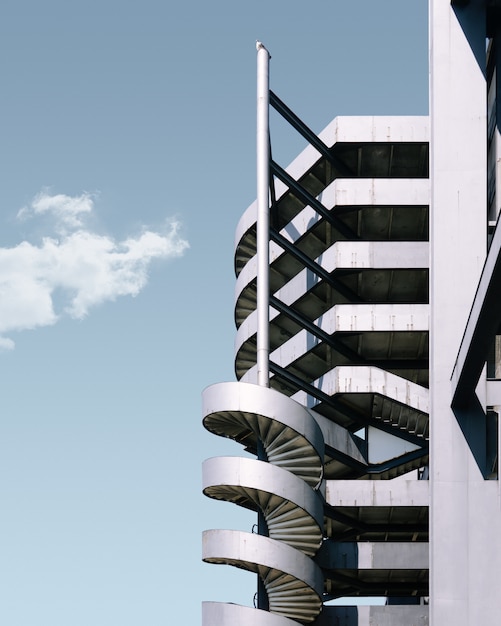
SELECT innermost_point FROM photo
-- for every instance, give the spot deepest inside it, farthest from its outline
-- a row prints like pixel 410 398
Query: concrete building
pixel 375 430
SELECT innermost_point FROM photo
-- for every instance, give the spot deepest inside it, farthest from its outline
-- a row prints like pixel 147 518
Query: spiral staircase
pixel 347 406
pixel 284 489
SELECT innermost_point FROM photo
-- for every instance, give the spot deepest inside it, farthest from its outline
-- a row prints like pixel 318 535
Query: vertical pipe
pixel 263 238
pixel 263 214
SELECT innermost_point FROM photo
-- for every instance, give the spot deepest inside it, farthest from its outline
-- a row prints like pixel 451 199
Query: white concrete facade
pixel 465 510
pixel 377 438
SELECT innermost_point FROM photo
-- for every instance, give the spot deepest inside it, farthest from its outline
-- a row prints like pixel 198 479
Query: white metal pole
pixel 263 215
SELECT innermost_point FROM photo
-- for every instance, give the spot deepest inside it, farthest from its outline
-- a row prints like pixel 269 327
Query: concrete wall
pixel 465 515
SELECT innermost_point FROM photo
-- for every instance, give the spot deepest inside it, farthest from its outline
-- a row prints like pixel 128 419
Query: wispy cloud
pixel 68 211
pixel 85 268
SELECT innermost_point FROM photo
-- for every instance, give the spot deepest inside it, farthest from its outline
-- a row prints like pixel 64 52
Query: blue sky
pixel 127 151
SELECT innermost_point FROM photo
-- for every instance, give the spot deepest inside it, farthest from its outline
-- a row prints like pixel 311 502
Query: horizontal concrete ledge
pixel 251 474
pixel 368 555
pixel 342 192
pixel 223 399
pixel 221 614
pixel 348 379
pixel 395 615
pixel 361 129
pixel 388 493
pixel 374 192
pixel 342 318
pixel 254 552
pixel 352 255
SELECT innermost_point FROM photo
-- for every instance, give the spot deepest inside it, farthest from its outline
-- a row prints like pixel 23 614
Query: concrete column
pixel 465 517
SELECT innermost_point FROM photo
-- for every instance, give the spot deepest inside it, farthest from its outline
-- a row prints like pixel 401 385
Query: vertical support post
pixel 262 529
pixel 263 254
pixel 263 214
pixel 461 500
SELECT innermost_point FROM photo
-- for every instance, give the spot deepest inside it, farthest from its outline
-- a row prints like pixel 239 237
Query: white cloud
pixel 68 211
pixel 84 268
